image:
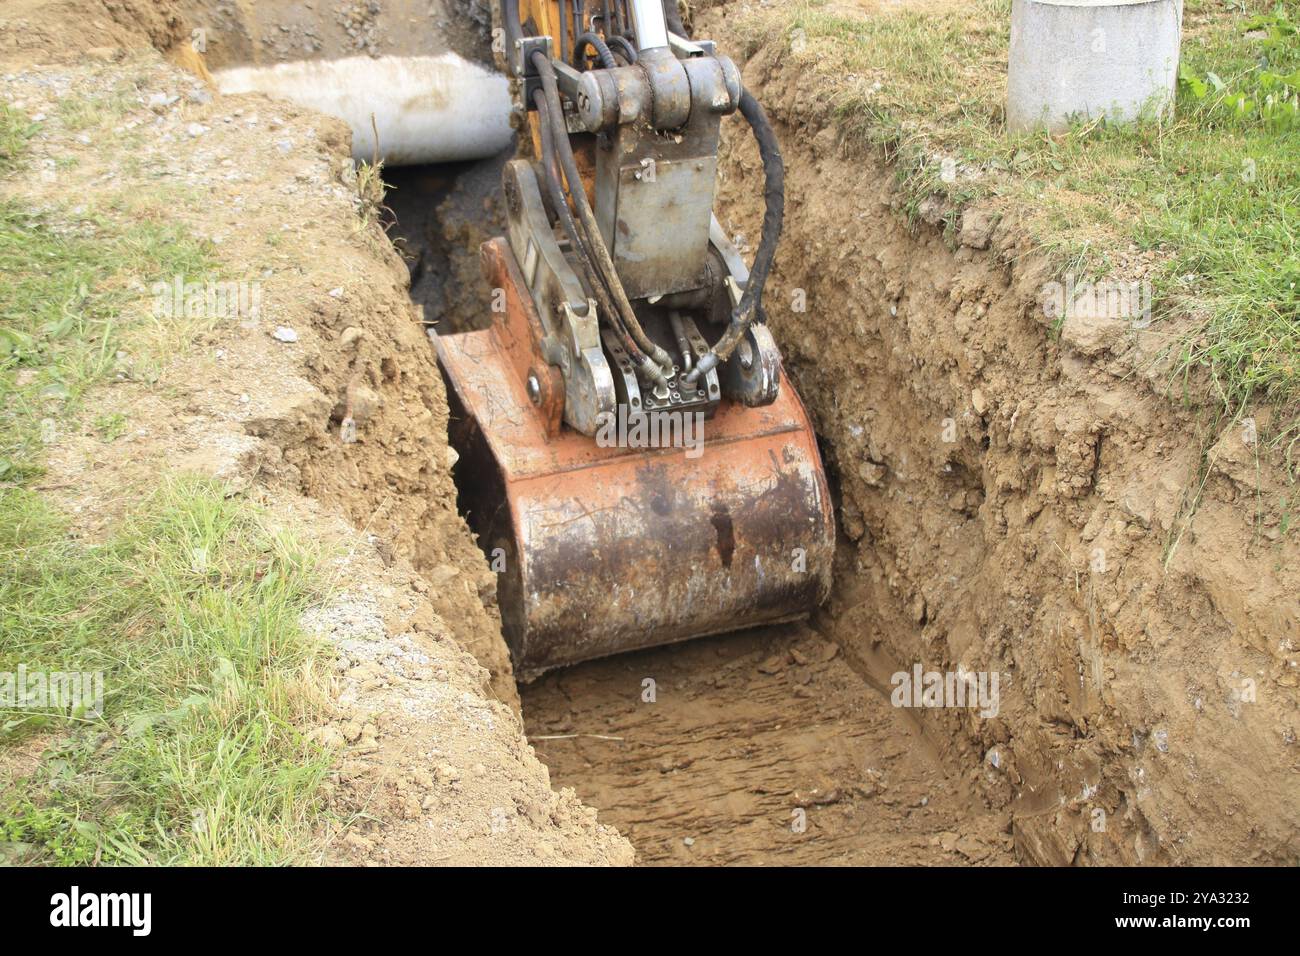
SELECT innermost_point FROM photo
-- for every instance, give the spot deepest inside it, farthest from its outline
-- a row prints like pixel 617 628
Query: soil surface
pixel 1035 504
pixel 432 763
pixel 758 748
pixel 1012 500
pixel 255 32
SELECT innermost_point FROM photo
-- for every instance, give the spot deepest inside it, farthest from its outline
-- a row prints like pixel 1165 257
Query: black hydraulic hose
pixel 751 302
pixel 683 343
pixel 658 361
pixel 674 19
pixel 556 191
pixel 510 23
pixel 564 30
pixel 624 47
pixel 597 44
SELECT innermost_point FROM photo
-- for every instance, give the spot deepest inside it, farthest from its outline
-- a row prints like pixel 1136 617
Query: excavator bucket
pixel 602 550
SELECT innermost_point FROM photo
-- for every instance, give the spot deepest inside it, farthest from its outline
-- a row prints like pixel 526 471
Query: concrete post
pixel 1080 59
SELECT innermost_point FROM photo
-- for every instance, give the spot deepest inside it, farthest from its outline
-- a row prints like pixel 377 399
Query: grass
pixel 15 130
pixel 80 113
pixel 190 612
pixel 71 297
pixel 1212 194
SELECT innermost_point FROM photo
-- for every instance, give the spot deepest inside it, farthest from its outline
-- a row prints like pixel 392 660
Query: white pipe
pixel 649 24
pixel 428 109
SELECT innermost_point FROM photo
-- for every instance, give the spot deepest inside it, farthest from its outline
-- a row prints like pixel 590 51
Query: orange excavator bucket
pixel 603 549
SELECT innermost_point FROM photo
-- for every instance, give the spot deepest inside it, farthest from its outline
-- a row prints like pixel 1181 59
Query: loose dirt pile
pixel 271 31
pixel 54 31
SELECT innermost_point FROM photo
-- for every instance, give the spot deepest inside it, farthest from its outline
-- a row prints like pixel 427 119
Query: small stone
pixel 364 402
pixel 972 849
pixel 336 293
pixel 196 129
pixel 358 843
pixel 977 228
pixel 442 575
pixel 871 473
pixel 689 841
pixel 978 401
pixel 283 333
pixel 351 336
pixel 328 737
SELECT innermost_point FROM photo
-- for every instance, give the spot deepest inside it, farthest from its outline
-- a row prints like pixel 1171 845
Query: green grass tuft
pixel 191 612
pixel 16 128
pixel 71 296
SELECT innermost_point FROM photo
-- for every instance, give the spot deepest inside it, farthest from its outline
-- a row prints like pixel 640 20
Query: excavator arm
pixel 644 473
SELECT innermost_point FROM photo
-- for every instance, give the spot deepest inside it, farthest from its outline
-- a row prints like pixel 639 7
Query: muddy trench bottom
pixel 755 747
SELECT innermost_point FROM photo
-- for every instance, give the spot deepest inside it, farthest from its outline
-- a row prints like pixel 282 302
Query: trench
pixel 776 744
pixel 780 744
pixel 771 745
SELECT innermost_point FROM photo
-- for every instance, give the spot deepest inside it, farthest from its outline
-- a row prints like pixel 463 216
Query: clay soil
pixel 980 461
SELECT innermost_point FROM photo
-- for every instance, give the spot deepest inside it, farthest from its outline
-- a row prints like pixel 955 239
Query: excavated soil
pixel 982 465
pixel 1037 505
pixel 763 747
pixel 431 762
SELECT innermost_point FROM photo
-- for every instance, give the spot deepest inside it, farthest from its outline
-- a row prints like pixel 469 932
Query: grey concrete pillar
pixel 1080 59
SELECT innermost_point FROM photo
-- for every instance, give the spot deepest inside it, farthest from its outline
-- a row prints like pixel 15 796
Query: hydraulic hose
pixel 556 191
pixel 510 23
pixel 773 213
pixel 564 30
pixel 751 302
pixel 624 47
pixel 674 19
pixel 596 43
pixel 658 360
